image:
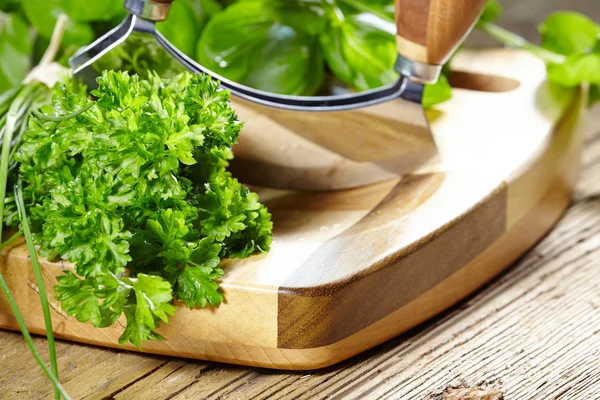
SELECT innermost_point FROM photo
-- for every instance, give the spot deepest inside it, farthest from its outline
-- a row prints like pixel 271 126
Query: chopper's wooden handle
pixel 430 30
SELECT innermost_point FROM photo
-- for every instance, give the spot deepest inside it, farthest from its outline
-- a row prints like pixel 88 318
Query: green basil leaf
pixel 491 12
pixel 577 69
pixel 436 93
pixel 292 64
pixel 303 15
pixel 10 5
pixel 249 43
pixel 568 33
pixel 16 45
pixel 186 20
pixel 43 15
pixel 180 28
pixel 204 10
pixel 308 16
pixel 99 10
pixel 360 54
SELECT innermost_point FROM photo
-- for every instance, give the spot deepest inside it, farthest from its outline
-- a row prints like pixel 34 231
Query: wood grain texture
pixel 313 314
pixel 430 30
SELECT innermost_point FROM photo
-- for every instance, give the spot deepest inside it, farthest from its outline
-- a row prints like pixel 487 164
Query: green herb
pixel 139 54
pixel 11 239
pixel 29 340
pixel 99 10
pixel 186 21
pixel 14 108
pixel 491 12
pixel 570 46
pixel 39 280
pixel 288 46
pixel 569 33
pixel 361 55
pixel 383 9
pixel 43 14
pixel 437 93
pixel 16 45
pixel 15 105
pixel 274 49
pixel 576 37
pixel 133 190
pixel 515 41
pixel 285 46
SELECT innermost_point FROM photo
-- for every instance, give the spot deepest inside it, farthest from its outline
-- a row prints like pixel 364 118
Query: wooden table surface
pixel 533 333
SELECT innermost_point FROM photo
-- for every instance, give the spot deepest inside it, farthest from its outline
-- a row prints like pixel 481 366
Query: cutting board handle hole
pixel 482 82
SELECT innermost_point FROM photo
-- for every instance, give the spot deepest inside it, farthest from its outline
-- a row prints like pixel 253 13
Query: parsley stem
pixel 11 239
pixel 38 277
pixel 32 348
pixel 63 117
pixel 513 40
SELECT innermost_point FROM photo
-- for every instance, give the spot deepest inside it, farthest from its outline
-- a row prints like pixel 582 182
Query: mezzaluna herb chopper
pixel 385 126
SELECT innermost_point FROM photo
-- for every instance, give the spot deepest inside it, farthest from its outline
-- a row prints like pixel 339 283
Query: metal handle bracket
pixel 148 9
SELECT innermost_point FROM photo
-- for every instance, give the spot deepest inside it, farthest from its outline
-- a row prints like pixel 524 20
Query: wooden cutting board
pixel 351 269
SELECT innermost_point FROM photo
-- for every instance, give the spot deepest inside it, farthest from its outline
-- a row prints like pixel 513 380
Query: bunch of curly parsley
pixel 132 189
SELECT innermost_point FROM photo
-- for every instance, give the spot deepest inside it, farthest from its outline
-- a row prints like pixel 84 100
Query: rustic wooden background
pixel 534 333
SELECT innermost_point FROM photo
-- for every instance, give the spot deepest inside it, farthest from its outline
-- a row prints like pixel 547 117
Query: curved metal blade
pixel 386 126
pixel 84 58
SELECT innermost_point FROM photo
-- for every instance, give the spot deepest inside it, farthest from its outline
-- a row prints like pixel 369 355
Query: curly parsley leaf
pixel 133 190
pixel 78 298
pixel 197 287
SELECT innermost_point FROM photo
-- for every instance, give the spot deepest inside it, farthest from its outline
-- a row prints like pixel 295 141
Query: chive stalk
pixel 12 119
pixel 39 279
pixel 28 338
pixel 15 120
pixel 11 240
pixel 15 106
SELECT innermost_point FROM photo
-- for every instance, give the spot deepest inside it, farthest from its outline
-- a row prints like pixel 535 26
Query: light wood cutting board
pixel 353 268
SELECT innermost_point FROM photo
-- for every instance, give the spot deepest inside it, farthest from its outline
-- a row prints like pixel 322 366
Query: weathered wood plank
pixel 86 372
pixel 171 378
